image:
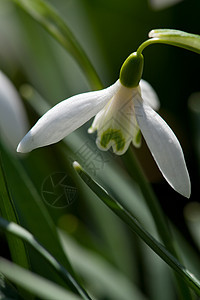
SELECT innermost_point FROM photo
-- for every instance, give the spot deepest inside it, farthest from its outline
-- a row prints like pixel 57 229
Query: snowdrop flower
pixel 123 111
pixel 13 121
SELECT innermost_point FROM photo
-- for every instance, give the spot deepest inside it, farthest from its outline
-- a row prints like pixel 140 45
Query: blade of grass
pixel 136 227
pixel 34 216
pixel 104 279
pixel 46 16
pixel 33 213
pixel 16 230
pixel 33 283
pixel 7 209
pixel 134 169
pixel 17 248
pixel 7 290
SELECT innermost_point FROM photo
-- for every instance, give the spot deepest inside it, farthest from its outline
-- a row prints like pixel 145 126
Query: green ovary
pixel 115 135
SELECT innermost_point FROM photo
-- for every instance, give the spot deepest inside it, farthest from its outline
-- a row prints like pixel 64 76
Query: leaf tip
pixel 77 166
pixel 151 33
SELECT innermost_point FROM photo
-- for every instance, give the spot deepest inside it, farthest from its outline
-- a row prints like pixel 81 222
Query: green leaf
pixel 33 283
pixel 177 38
pixel 22 233
pixel 135 171
pixel 7 290
pixel 32 213
pixel 46 16
pixel 136 227
pixel 7 210
pixel 103 279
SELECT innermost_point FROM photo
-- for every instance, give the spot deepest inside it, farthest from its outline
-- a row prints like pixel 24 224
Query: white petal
pixel 116 123
pixel 149 95
pixel 13 121
pixel 95 123
pixel 115 131
pixel 164 147
pixel 65 117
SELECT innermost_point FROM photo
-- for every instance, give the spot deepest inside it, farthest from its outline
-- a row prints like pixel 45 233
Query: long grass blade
pixel 33 283
pixel 46 16
pixel 136 227
pixel 25 235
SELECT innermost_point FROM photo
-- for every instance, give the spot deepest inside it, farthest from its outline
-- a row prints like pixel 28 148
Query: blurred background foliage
pixel 110 261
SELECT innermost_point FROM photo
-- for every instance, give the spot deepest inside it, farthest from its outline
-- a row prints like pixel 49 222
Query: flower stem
pixel 163 41
pixel 136 172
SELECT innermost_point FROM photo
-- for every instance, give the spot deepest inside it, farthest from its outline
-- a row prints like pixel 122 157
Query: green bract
pixel 131 70
pixel 177 38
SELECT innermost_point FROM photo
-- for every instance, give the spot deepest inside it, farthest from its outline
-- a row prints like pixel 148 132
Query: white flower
pixel 116 123
pixel 121 113
pixel 13 121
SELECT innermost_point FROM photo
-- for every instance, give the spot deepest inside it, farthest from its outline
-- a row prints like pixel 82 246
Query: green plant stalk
pixel 166 42
pixel 136 227
pixel 26 236
pixel 48 18
pixel 134 169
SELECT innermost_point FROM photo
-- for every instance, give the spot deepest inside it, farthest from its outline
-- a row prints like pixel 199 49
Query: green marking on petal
pixel 115 135
pixel 138 137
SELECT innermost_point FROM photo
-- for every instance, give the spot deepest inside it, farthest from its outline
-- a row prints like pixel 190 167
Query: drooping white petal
pixel 96 121
pixel 116 123
pixel 164 147
pixel 149 95
pixel 136 140
pixel 13 121
pixel 65 117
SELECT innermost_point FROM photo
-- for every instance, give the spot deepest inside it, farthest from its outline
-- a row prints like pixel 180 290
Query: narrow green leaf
pixel 7 210
pixel 101 276
pixel 46 16
pixel 136 227
pixel 134 169
pixel 16 230
pixel 38 221
pixel 177 38
pixel 33 283
pixel 7 290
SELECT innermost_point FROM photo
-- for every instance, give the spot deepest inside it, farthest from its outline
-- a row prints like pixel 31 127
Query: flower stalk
pixel 172 37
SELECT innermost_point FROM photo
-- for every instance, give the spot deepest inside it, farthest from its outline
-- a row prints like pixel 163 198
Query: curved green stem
pixel 165 41
pixel 17 230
